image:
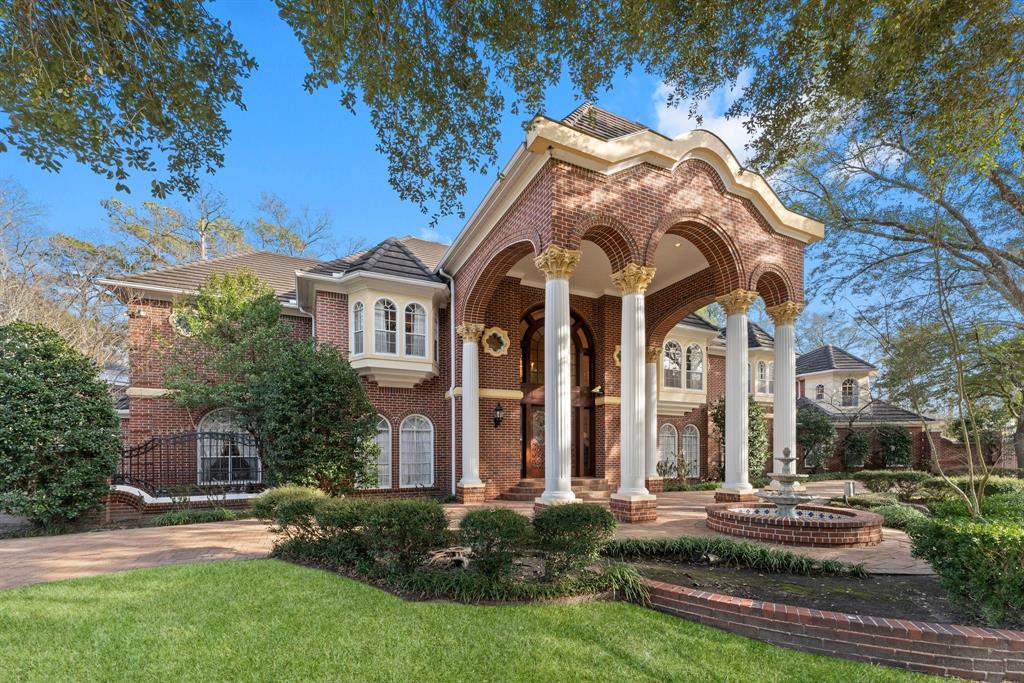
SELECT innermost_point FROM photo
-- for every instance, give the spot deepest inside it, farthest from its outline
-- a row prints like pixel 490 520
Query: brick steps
pixel 585 488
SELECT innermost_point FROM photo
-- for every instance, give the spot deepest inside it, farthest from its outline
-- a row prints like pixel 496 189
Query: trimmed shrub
pixel 571 535
pixel 680 485
pixel 896 445
pixel 59 439
pixel 899 516
pixel 904 483
pixel 496 536
pixel 402 533
pixel 980 564
pixel 1009 506
pixel 856 448
pixel 938 488
pixel 179 517
pixel 869 500
pixel 292 509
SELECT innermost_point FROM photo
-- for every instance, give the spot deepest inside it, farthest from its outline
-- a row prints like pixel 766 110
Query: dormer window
pixel 694 367
pixel 672 365
pixel 385 327
pixel 358 325
pixel 819 392
pixel 850 393
pixel 415 331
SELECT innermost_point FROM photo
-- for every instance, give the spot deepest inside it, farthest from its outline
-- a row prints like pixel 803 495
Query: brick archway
pixel 493 270
pixel 666 307
pixel 613 238
pixel 773 284
pixel 715 244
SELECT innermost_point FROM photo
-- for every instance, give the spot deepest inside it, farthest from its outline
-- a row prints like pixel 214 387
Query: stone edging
pixel 940 649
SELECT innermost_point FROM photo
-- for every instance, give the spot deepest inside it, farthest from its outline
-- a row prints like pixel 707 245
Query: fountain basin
pixel 813 525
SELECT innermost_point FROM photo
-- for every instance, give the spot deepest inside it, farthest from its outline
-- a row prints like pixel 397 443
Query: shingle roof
pixel 390 257
pixel 757 337
pixel 590 119
pixel 830 357
pixel 695 320
pixel 428 252
pixel 277 270
pixel 875 412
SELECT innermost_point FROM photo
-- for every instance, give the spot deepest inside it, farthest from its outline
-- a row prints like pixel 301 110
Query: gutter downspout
pixel 451 388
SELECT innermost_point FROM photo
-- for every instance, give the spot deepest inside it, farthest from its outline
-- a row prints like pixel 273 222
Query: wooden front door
pixel 534 439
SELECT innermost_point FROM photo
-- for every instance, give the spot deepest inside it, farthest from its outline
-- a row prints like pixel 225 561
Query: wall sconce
pixel 499 415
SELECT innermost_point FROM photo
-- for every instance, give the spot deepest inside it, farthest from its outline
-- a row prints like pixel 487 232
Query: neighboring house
pixel 553 346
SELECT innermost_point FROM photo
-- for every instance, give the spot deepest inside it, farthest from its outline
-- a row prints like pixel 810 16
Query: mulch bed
pixel 918 598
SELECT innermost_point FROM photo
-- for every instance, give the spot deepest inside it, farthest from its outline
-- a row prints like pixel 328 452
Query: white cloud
pixel 674 121
pixel 434 235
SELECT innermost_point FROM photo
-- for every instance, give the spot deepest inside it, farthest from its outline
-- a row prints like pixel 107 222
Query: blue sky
pixel 312 152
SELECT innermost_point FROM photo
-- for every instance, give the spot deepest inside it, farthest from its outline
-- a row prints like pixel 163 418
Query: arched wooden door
pixel 531 329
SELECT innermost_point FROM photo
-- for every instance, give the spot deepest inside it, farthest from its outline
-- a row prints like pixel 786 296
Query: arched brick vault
pixel 666 307
pixel 501 259
pixel 772 283
pixel 608 233
pixel 712 241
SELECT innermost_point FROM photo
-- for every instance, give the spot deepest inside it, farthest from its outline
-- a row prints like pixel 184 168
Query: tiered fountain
pixel 793 518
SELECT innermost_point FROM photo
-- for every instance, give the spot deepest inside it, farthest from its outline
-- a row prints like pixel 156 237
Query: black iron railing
pixel 193 463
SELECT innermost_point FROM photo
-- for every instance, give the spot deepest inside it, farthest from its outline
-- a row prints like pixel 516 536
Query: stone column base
pixel 632 509
pixel 655 485
pixel 725 496
pixel 470 494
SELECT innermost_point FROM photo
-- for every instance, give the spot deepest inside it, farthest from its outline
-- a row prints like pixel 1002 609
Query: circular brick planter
pixel 818 526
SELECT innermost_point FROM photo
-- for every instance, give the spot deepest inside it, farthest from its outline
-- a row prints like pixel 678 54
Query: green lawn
pixel 267 620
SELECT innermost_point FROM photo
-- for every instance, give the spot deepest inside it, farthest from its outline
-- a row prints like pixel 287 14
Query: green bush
pixel 1009 506
pixel 856 448
pixel 496 536
pixel 904 483
pixel 899 516
pixel 179 517
pixel 680 485
pixel 59 438
pixel 996 485
pixel 816 434
pixel 896 445
pixel 869 500
pixel 401 534
pixel 729 552
pixel 980 564
pixel 292 509
pixel 571 535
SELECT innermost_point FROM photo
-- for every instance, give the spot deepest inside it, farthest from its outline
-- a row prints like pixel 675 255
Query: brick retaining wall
pixel 941 649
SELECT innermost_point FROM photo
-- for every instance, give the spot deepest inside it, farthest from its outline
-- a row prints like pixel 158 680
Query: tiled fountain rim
pixel 853 519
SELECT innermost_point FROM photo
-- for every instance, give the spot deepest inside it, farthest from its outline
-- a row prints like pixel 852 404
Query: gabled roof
pixel 695 320
pixel 391 257
pixel 875 412
pixel 590 119
pixel 757 337
pixel 277 270
pixel 830 357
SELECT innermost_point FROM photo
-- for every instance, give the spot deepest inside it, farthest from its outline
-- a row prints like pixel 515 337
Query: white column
pixel 736 304
pixel 470 333
pixel 557 264
pixel 651 412
pixel 784 411
pixel 632 282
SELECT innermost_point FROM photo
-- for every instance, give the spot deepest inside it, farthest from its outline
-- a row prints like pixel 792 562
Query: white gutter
pixel 342 279
pixel 451 388
pixel 290 304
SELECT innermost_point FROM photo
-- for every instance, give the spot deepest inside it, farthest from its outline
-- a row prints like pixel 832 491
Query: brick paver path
pixel 32 560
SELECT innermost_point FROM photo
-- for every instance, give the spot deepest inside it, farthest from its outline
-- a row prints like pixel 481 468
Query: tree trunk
pixel 1018 439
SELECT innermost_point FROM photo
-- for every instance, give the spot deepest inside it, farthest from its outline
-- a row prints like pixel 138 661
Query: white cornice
pixel 158 293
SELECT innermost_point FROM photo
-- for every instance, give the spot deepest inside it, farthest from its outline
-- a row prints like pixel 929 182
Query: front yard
pixel 269 620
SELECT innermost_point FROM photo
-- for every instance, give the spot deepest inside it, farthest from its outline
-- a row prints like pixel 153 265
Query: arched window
pixel 385 327
pixel 668 447
pixel 415 331
pixel 771 378
pixel 672 364
pixel 762 377
pixel 357 327
pixel 694 367
pixel 383 441
pixel 691 452
pixel 225 452
pixel 819 392
pixel 416 452
pixel 850 393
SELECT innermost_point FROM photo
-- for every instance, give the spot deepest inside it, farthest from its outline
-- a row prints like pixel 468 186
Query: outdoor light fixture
pixel 499 415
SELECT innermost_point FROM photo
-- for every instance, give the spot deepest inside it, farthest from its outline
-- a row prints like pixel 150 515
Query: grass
pixel 268 620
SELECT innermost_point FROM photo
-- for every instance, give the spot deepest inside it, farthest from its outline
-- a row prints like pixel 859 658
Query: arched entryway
pixel 581 362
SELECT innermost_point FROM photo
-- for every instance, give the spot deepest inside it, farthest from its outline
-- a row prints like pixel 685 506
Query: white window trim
pixel 352 340
pixel 199 458
pixel 390 483
pixel 675 436
pixel 405 332
pixel 398 330
pixel 703 366
pixel 682 366
pixel 433 452
pixel 693 430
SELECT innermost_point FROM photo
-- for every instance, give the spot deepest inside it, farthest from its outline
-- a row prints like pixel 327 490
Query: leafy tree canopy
pixel 757 434
pixel 816 435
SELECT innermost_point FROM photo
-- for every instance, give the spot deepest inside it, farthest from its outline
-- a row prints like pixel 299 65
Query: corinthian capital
pixel 470 331
pixel 737 301
pixel 653 354
pixel 633 279
pixel 785 313
pixel 558 262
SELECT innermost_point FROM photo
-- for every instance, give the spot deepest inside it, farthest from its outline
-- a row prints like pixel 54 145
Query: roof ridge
pixel 401 245
pixel 217 259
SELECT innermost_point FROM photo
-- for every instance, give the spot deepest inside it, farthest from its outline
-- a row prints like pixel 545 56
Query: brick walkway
pixel 33 560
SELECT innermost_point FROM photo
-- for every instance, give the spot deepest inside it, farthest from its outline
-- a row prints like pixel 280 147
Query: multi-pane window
pixel 762 377
pixel 694 367
pixel 437 338
pixel 383 441
pixel 668 446
pixel 850 393
pixel 819 392
pixel 691 452
pixel 672 365
pixel 415 331
pixel 225 452
pixel 771 378
pixel 358 324
pixel 385 327
pixel 416 452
